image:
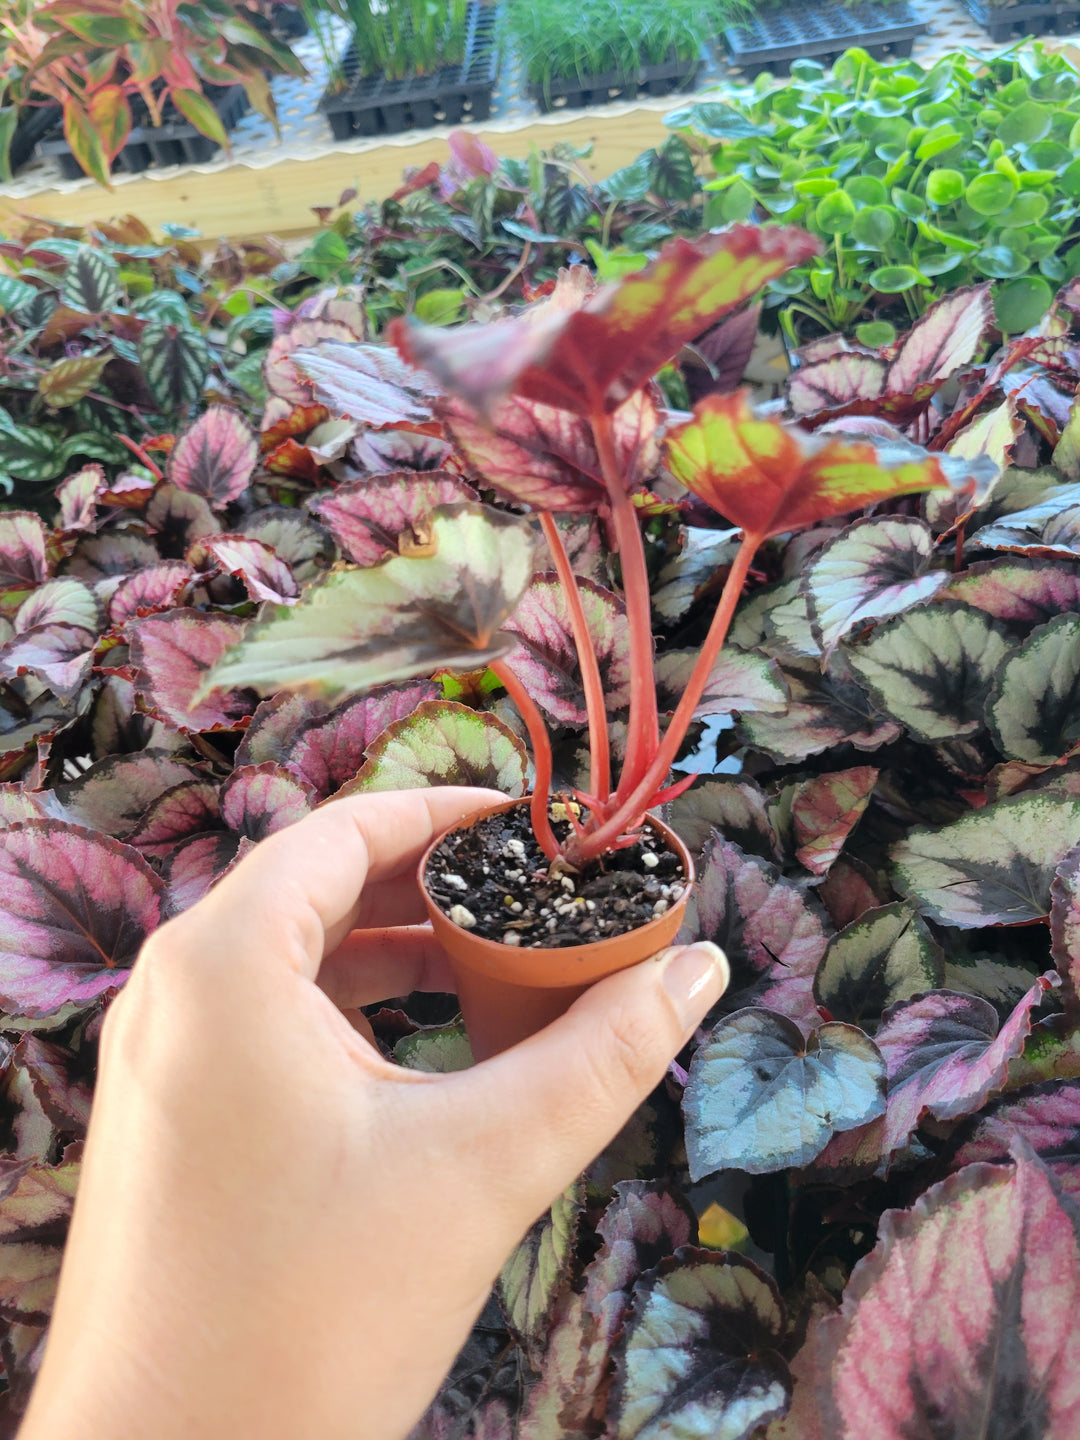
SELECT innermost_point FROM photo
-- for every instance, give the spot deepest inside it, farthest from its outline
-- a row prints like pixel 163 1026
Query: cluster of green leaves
pixel 398 38
pixel 918 181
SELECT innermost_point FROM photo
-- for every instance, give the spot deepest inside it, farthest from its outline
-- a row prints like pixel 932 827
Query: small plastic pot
pixel 507 993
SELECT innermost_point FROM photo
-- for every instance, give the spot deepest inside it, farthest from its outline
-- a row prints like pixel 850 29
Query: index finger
pixel 297 895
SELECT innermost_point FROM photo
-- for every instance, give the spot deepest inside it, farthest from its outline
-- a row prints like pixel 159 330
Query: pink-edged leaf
pixel 76 908
pixel 884 956
pixel 63 1090
pixel 836 383
pixel 259 800
pixel 760 1098
pixel 1031 591
pixel 215 457
pixel 443 743
pixel 115 792
pixel 179 519
pixel 304 546
pixel 264 574
pixel 23 561
pixel 1065 922
pixel 374 452
pixel 328 751
pixel 277 725
pixel 773 937
pixel 190 808
pixel 961 1321
pixel 740 681
pixel 580 356
pixel 369 384
pixel 115 554
pixel 64 601
pixel 18 804
pixel 369 518
pixel 943 340
pixel 826 709
pixel 1046 1117
pixel 546 660
pixel 59 655
pixel 825 810
pixel 197 864
pixel 279 370
pixel 158 587
pixel 538 455
pixel 78 497
pixel 1031 709
pixel 172 654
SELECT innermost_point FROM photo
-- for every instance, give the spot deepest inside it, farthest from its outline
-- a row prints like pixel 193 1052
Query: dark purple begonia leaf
pixel 850 889
pixel 766 925
pixel 734 807
pixel 546 660
pixel 63 1091
pixel 195 866
pixel 59 655
pixel 1033 711
pixel 538 1270
pixel 111 556
pixel 280 371
pixel 190 808
pixel 876 568
pixel 171 654
pixel 760 1097
pixel 1065 923
pixel 327 751
pixel 179 518
pixel 76 908
pixel 827 709
pixel 259 800
pixel 701 1355
pixel 264 574
pixel 962 1320
pixel 78 497
pixel 825 810
pixel 28 1133
pixel 371 518
pixel 991 867
pixel 374 452
pixel 740 681
pixel 158 587
pixel 304 546
pixel 884 956
pixel 932 668
pixel 114 794
pixel 368 383
pixel 726 349
pixel 1032 591
pixel 277 725
pixel 1046 1116
pixel 443 743
pixel 23 560
pixel 64 601
pixel 537 455
pixel 214 457
pixel 18 804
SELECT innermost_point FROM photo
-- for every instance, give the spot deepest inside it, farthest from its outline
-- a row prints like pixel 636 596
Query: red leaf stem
pixel 541 745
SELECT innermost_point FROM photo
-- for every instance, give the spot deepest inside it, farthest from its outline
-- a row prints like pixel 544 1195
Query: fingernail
pixel 695 977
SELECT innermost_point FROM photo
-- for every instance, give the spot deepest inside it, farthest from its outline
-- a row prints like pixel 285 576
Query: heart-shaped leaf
pixel 1034 707
pixel 826 709
pixel 825 810
pixel 546 660
pixel 443 743
pixel 280 372
pixel 91 281
pixel 105 557
pixel 836 382
pixel 64 601
pixel 77 497
pixel 367 383
pixel 304 546
pixel 259 800
pixel 215 457
pixel 190 808
pixel 158 587
pixel 196 865
pixel 175 361
pixel 172 654
pixel 116 792
pixel 328 750
pixel 383 515
pixel 761 1098
pixel 59 655
pixel 180 519
pixel 277 725
pixel 946 338
pixel 735 808
pixel 884 956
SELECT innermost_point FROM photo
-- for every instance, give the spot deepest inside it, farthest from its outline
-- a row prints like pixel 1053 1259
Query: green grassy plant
pixel 398 38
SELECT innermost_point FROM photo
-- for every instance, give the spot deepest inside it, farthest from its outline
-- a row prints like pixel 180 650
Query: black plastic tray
pixel 373 105
pixel 580 90
pixel 822 32
pixel 174 142
pixel 1013 22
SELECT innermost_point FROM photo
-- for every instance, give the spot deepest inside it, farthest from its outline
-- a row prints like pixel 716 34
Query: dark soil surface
pixel 493 878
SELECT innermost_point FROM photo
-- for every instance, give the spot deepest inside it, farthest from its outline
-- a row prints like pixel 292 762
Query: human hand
pixel 278 1233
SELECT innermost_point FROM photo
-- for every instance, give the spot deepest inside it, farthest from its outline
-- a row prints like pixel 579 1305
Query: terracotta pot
pixel 508 993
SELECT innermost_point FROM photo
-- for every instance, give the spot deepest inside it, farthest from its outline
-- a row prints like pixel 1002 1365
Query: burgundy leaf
pixel 850 889
pixel 259 800
pixel 726 350
pixel 1046 1117
pixel 328 751
pixel 180 518
pixel 76 908
pixel 279 370
pixel 369 384
pixel 370 518
pixel 215 457
pixel 171 653
pixel 277 725
pixel 825 810
pixel 23 562
pixel 190 808
pixel 197 864
pixel 264 574
pixel 546 661
pixel 116 792
pixel 158 587
pixel 78 497
pixel 59 655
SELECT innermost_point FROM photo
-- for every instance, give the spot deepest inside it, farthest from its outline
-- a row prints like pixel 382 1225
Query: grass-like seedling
pixel 399 38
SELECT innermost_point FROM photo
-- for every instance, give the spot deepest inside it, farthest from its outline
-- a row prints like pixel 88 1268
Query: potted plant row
pixel 1007 21
pixel 782 31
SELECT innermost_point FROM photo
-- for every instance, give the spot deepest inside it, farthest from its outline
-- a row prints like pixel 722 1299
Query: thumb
pixel 544 1110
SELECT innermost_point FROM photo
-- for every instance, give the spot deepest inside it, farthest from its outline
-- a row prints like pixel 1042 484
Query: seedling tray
pixel 373 105
pixel 1013 22
pixel 822 32
pixel 174 142
pixel 578 91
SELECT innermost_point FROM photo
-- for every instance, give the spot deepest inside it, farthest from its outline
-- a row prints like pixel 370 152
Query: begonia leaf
pixel 215 457
pixel 1065 921
pixel 594 356
pixel 440 1050
pixel 990 978
pixel 443 743
pixel 179 517
pixel 931 668
pixel 993 434
pixel 277 725
pixel 114 793
pixel 62 1092
pixel 735 807
pixel 1019 589
pixel 684 577
pixel 539 1268
pixel 546 660
pixel 368 383
pixel 835 382
pixel 767 477
pixel 1046 1116
pixel 264 574
pixel 760 1098
pixel 59 655
pixel 63 601
pixel 23 561
pixel 328 750
pixel 172 654
pixel 739 681
pixel 195 866
pixel 701 1358
pixel 991 867
pixel 114 554
pixel 18 804
pixel 850 889
pixel 280 372
pixel 826 709
pixel 77 497
pixel 374 452
pixel 825 810
pixel 189 808
pixel 874 569
pixel 371 518
pixel 884 956
pixel 559 1406
pixel 1034 708
pixel 1050 527
pixel 259 800
pixel 76 908
pixel 157 587
pixel 943 340
pixel 962 1317
pixel 788 632
pixel 408 616
pixel 304 546
pixel 765 925
pixel 538 455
